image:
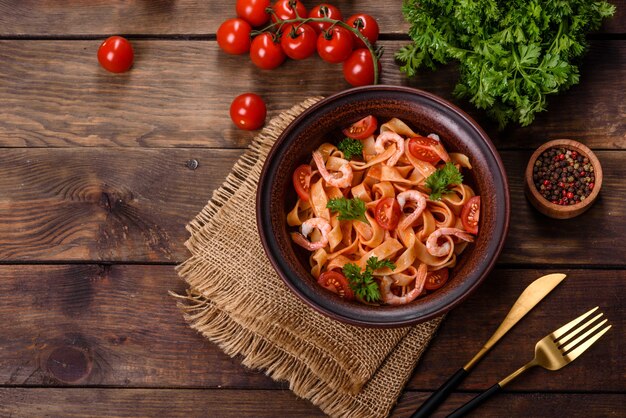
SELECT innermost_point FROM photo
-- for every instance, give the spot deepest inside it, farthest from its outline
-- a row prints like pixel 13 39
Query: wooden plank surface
pixel 131 205
pixel 179 92
pixel 89 325
pixel 182 17
pixel 80 402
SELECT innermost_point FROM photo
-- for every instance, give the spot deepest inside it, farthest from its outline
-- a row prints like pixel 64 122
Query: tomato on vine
pixel 358 69
pixel 367 25
pixel 248 111
pixel 233 36
pixel 334 45
pixel 253 11
pixel 284 11
pixel 298 40
pixel 265 52
pixel 324 10
pixel 116 54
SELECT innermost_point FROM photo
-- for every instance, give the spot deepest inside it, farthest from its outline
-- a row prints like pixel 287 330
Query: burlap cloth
pixel 238 301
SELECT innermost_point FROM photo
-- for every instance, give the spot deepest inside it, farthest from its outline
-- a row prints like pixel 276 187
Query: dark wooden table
pixel 96 187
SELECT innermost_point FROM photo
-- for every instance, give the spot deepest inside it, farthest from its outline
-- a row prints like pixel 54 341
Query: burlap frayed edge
pixel 234 339
pixel 241 170
pixel 347 380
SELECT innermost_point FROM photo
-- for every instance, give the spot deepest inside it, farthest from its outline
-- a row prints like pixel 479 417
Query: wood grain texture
pixel 182 17
pixel 89 325
pixel 179 92
pixel 80 402
pixel 103 204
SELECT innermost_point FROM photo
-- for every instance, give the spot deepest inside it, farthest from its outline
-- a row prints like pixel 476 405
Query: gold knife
pixel 529 298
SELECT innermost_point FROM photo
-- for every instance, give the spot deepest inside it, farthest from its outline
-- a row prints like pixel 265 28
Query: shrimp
pixel 390 298
pixel 432 244
pixel 416 197
pixel 307 226
pixel 386 137
pixel 346 170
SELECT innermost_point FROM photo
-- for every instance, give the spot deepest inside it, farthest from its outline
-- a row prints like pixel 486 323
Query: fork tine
pixel 561 331
pixel 572 333
pixel 571 356
pixel 569 346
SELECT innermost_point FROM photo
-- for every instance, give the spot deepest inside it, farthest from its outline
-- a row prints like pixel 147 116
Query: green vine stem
pixel 280 22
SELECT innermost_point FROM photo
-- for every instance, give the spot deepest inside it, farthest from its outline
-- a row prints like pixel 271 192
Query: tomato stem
pixel 301 20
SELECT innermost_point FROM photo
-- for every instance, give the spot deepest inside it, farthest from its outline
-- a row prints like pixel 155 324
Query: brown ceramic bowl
pixel 551 209
pixel 425 113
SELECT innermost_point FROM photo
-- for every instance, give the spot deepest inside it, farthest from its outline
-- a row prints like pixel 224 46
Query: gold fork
pixel 552 352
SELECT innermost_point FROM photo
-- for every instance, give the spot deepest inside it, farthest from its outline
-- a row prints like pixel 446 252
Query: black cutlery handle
pixel 440 395
pixel 475 402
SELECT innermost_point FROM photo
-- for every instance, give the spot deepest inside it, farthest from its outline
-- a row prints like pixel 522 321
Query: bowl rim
pixel 263 232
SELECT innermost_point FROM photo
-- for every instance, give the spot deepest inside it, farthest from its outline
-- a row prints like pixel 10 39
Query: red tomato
pixel 233 36
pixel 248 111
pixel 302 181
pixel 298 41
pixel 335 45
pixel 253 11
pixel 367 25
pixel 284 11
pixel 336 283
pixel 362 129
pixel 470 215
pixel 422 147
pixel 388 213
pixel 436 279
pixel 324 10
pixel 358 69
pixel 116 54
pixel 265 53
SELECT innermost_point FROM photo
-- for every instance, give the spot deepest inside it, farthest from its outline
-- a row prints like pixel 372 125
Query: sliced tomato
pixel 362 129
pixel 425 149
pixel 336 283
pixel 470 215
pixel 388 213
pixel 302 181
pixel 436 279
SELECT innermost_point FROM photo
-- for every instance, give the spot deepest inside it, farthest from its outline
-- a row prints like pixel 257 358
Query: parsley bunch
pixel 441 180
pixel 362 282
pixel 349 209
pixel 351 147
pixel 511 53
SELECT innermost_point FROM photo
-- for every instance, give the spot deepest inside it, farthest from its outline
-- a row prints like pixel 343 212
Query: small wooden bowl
pixel 551 209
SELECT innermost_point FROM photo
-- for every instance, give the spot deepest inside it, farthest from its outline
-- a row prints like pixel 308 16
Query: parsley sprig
pixel 511 54
pixel 349 209
pixel 362 283
pixel 441 180
pixel 351 147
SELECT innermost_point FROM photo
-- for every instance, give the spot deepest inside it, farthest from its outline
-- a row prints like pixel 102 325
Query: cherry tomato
pixel 302 181
pixel 358 69
pixel 265 53
pixel 253 11
pixel 298 41
pixel 284 11
pixel 367 25
pixel 470 215
pixel 233 36
pixel 422 147
pixel 388 213
pixel 436 279
pixel 116 54
pixel 336 283
pixel 248 111
pixel 335 45
pixel 324 10
pixel 362 128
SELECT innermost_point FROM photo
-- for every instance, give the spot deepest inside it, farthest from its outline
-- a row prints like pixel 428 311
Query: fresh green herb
pixel 362 282
pixel 349 209
pixel 350 147
pixel 512 54
pixel 440 181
